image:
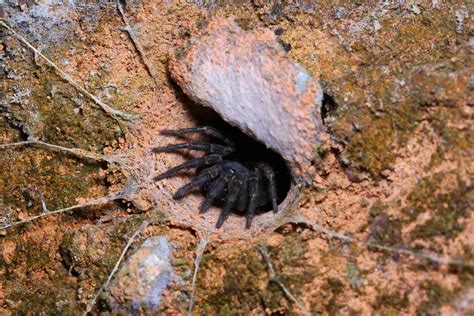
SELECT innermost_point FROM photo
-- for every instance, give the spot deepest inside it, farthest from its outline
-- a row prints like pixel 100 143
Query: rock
pixel 247 78
pixel 143 278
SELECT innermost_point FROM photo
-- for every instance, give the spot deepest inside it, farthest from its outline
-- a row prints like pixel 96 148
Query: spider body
pixel 241 187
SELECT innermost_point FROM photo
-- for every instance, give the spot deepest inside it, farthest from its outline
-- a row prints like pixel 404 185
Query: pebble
pixel 143 278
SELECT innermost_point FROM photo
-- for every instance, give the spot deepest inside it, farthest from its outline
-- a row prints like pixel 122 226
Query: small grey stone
pixel 415 9
pixel 143 278
pixel 461 16
pixel 339 12
pixel 377 26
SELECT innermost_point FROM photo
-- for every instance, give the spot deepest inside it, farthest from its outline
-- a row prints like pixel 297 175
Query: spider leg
pixel 215 188
pixel 240 171
pixel 270 176
pixel 210 148
pixel 243 196
pixel 234 187
pixel 206 130
pixel 254 184
pixel 229 169
pixel 193 163
pixel 199 180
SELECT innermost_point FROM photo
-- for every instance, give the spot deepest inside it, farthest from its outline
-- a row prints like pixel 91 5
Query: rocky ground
pixel 385 227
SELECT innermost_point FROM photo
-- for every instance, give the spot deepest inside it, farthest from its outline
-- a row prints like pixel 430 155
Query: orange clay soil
pixel 397 173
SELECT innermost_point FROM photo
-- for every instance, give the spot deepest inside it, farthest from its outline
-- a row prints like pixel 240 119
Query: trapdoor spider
pixel 239 186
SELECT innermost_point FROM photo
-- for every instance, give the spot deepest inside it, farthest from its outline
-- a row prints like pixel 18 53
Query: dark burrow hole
pixel 328 107
pixel 248 152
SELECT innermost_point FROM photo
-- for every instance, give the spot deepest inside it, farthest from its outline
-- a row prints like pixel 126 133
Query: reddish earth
pixel 397 172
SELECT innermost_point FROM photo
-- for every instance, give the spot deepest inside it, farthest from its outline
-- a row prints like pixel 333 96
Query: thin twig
pixel 197 262
pixel 81 153
pixel 42 200
pixel 130 241
pixel 274 278
pixel 99 201
pixel 109 110
pixel 75 151
pixel 299 219
pixel 151 71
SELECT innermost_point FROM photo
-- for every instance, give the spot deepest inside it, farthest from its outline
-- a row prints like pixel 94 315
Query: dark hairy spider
pixel 240 187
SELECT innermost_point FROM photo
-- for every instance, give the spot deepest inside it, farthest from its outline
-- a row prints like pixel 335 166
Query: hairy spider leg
pixel 254 187
pixel 209 148
pixel 243 197
pixel 235 184
pixel 206 130
pixel 193 163
pixel 240 170
pixel 215 189
pixel 199 180
pixel 270 176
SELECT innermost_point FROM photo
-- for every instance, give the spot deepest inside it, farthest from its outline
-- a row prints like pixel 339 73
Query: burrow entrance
pixel 248 152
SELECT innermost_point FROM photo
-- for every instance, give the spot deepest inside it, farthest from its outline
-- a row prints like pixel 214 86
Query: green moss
pixel 56 292
pixel 423 39
pixel 30 283
pixel 246 285
pixel 240 291
pixel 384 229
pixel 56 296
pixel 377 208
pixel 391 303
pixel 51 109
pixel 62 121
pixel 9 133
pixel 44 106
pixel 372 146
pixel 32 255
pixel 377 113
pixel 454 140
pixel 364 202
pixel 70 250
pixel 446 206
pixel 354 275
pixel 181 262
pixel 332 289
pixel 446 209
pixel 437 296
pixel 290 252
pixel 116 240
pixel 373 133
pixel 27 170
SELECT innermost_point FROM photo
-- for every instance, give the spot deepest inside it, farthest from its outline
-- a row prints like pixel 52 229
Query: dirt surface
pixel 386 228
